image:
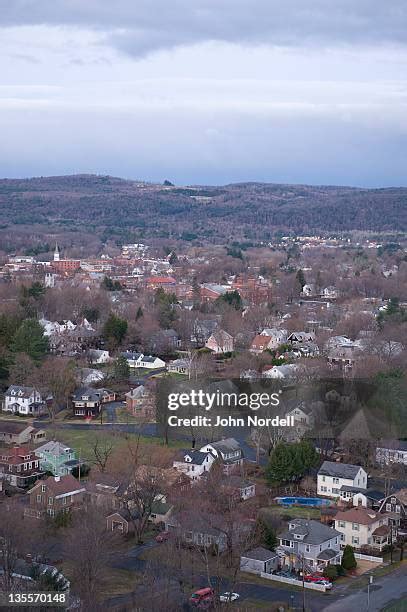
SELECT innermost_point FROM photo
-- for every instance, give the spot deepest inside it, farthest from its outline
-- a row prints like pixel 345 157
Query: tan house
pixel 220 342
pixel 54 495
pixel 362 527
pixel 20 433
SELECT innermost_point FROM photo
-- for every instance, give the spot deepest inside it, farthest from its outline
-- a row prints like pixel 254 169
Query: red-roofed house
pixel 363 527
pixel 20 466
pixel 54 495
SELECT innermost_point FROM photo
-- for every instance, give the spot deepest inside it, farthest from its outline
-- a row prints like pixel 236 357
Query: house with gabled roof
pixel 310 543
pixel 220 342
pixel 54 495
pixel 19 399
pixel 363 527
pixel 193 463
pixel 340 480
pixel 227 451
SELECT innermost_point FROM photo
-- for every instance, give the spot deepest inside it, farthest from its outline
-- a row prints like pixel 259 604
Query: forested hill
pixel 250 209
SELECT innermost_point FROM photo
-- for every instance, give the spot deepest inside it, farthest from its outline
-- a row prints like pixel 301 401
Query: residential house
pixel 23 400
pixel 363 527
pixel 193 463
pixel 310 545
pixel 198 532
pixel 57 458
pixel 392 452
pixel 86 402
pixel 394 505
pixel 151 363
pixel 277 337
pixel 179 366
pixel 103 491
pixel 259 560
pixel 107 395
pixel 55 494
pixel 138 360
pixel 141 403
pixel 298 338
pixel 99 357
pixel 20 433
pixel 340 480
pixel 227 451
pixel 240 488
pixel 281 372
pixel 165 341
pixel 203 329
pixel 160 512
pixel 20 466
pixel 220 342
pixel 88 376
pixel 260 343
pixel 303 415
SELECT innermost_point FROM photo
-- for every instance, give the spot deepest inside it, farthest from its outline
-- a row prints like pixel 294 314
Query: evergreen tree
pixel 115 329
pixel 231 298
pixel 348 558
pixel 121 369
pixel 301 278
pixel 268 535
pixel 30 339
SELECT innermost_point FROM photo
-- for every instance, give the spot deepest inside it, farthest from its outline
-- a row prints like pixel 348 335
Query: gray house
pixel 310 544
pixel 259 560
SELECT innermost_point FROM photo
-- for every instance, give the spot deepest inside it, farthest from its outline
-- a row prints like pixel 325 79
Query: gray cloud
pixel 142 26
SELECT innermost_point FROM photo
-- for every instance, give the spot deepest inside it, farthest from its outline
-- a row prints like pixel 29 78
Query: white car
pixel 325 583
pixel 227 597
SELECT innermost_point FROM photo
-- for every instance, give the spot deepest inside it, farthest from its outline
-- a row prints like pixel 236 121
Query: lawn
pixel 398 606
pixel 293 512
pixel 82 440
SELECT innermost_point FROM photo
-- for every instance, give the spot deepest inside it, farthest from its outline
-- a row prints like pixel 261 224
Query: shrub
pixel 330 572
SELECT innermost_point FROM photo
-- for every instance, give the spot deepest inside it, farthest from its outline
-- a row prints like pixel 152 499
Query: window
pixel 355 526
pixel 335 480
pixel 323 478
pixel 307 548
pixel 64 501
pixel 341 524
pixel 43 488
pixel 355 540
pixel 287 543
pixel 39 498
pixel 50 501
pixel 388 507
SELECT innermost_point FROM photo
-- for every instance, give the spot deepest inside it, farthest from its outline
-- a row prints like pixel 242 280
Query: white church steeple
pixel 56 252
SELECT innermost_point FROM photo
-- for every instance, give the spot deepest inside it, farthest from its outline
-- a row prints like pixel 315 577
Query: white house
pixel 392 453
pixel 138 360
pixel 99 356
pixel 227 451
pixel 341 480
pixel 23 400
pixel 193 463
pixel 288 370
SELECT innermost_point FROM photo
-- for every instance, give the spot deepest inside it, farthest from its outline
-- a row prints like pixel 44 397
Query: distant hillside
pixel 251 210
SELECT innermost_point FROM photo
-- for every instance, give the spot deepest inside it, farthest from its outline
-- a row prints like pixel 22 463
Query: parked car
pixel 202 595
pixel 228 597
pixel 325 583
pixel 312 578
pixel 163 536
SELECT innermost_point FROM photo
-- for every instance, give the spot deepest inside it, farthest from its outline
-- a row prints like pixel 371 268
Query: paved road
pixel 383 591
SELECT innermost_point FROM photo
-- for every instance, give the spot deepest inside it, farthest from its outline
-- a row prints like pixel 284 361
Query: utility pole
pixel 368 591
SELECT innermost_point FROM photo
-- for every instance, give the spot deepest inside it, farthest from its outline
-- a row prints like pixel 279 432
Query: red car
pixel 163 536
pixel 311 578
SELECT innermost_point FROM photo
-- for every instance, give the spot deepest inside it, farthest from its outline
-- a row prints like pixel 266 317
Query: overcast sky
pixel 205 91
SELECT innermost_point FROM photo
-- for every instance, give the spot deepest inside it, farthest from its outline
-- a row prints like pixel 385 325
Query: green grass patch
pixel 293 512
